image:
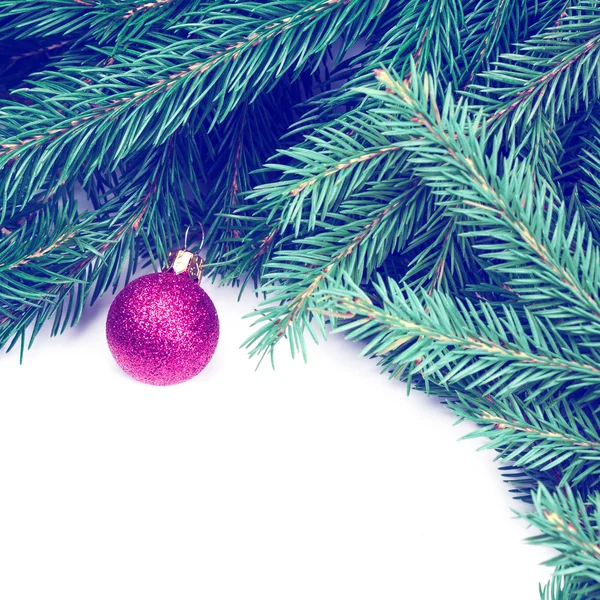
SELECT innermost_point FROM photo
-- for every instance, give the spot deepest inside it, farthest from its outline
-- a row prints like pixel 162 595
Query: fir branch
pixel 553 75
pixel 454 342
pixel 429 33
pixel 564 587
pixel 353 148
pixel 114 105
pixel 248 138
pixel 489 21
pixel 100 21
pixel 588 169
pixel 441 257
pixel 493 27
pixel 569 524
pixel 357 239
pixel 306 180
pixel 552 265
pixel 341 159
pixel 543 439
pixel 56 279
pixel 342 154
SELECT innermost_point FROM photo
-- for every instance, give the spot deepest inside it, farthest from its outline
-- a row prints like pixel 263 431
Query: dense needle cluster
pixel 423 176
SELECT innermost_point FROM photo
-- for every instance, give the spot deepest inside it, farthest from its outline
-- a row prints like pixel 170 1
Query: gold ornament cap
pixel 186 261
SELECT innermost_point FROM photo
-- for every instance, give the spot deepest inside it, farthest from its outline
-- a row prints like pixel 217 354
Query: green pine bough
pixel 423 177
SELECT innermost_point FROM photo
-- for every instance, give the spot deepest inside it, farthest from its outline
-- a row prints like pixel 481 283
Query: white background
pixel 313 481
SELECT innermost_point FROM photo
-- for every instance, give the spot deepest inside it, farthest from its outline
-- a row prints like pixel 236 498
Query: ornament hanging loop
pixel 187 261
pixel 185 240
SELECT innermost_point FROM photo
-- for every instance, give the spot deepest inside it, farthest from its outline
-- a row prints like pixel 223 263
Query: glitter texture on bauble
pixel 162 328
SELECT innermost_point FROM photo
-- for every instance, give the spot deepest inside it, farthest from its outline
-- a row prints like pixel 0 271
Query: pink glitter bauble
pixel 162 328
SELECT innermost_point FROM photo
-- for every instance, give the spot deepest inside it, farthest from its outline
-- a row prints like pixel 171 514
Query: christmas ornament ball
pixel 162 328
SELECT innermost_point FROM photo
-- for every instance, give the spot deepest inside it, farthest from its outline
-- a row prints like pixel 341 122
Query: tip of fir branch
pixel 384 78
